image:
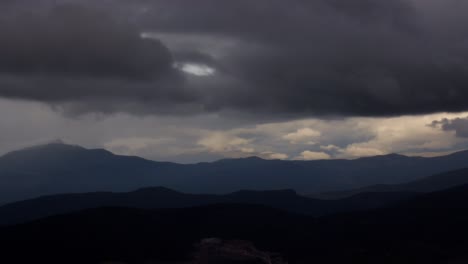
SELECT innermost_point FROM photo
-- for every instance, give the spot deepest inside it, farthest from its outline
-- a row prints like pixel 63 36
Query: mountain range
pixel 68 204
pixel 59 168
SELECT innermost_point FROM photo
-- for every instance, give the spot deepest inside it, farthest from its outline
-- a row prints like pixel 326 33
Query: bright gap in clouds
pixel 196 69
pixel 192 68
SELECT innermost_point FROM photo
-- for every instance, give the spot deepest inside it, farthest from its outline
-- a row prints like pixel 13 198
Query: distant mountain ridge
pixel 433 183
pixel 60 168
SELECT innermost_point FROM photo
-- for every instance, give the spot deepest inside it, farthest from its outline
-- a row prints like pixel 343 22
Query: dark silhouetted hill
pixel 427 229
pixel 433 183
pixel 158 197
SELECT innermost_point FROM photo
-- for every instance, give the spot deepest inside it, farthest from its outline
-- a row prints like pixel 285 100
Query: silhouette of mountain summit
pixel 59 168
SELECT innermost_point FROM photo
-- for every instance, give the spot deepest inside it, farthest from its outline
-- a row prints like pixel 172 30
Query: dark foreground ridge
pixel 427 229
pixel 159 197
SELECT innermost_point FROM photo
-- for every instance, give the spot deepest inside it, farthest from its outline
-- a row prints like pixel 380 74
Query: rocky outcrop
pixel 214 251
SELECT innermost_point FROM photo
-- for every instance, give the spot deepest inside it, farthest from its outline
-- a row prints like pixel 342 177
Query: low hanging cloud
pixel 458 125
pixel 206 138
pixel 283 59
pixel 303 136
pixel 312 155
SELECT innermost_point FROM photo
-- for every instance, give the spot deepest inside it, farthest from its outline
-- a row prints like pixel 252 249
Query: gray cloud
pixel 86 59
pixel 293 58
pixel 76 41
pixel 458 125
pixel 211 137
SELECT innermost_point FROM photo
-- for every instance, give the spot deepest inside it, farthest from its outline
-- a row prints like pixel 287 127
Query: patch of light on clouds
pixel 209 137
pixel 196 69
pixel 146 35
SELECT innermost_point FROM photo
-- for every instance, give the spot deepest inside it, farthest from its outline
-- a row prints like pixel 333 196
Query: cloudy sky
pixel 190 81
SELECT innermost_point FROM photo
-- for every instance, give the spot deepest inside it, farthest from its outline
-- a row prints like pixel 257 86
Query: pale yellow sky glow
pixel 203 138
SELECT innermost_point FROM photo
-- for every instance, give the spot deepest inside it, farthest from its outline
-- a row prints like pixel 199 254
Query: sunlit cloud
pixel 312 155
pixel 196 69
pixel 209 137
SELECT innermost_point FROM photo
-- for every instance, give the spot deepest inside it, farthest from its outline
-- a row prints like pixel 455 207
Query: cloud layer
pixel 209 137
pixel 269 57
pixel 458 125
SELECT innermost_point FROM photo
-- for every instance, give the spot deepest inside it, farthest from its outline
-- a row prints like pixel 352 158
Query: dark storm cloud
pixel 331 57
pixel 459 125
pixel 298 57
pixel 86 57
pixel 78 41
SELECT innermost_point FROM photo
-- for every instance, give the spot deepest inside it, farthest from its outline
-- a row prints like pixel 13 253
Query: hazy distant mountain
pixel 59 168
pixel 153 198
pixel 433 183
pixel 428 229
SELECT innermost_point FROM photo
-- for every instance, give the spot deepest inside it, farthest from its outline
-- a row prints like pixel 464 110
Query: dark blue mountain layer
pixel 59 168
pixel 433 183
pixel 158 197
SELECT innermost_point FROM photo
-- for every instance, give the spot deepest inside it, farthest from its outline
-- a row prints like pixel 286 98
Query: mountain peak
pixel 246 159
pixel 51 146
pixel 395 155
pixel 253 158
pixel 277 193
pixel 391 156
pixel 58 141
pixel 54 149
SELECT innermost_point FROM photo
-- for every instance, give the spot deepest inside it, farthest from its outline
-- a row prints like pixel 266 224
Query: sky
pixel 191 81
